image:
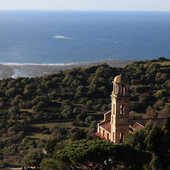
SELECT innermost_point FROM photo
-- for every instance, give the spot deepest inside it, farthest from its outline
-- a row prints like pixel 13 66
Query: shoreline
pixel 14 70
pixel 67 64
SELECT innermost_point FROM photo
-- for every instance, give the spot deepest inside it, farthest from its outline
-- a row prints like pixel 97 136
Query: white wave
pixel 63 64
pixel 43 64
pixel 30 64
pixel 63 37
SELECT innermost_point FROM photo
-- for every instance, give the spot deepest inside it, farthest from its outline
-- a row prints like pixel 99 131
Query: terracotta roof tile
pixel 107 126
pixel 107 116
pixel 131 130
pixel 159 121
pixel 137 126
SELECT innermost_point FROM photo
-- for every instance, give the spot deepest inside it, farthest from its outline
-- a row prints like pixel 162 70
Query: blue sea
pixel 53 37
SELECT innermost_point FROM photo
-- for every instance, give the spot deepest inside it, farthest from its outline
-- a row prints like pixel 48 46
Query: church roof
pixel 137 126
pixel 120 79
pixel 159 122
pixel 107 126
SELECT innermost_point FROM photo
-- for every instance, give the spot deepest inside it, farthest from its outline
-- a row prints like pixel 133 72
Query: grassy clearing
pixel 164 63
pixel 97 113
pixel 140 115
pixel 26 110
pixel 57 124
pixel 37 136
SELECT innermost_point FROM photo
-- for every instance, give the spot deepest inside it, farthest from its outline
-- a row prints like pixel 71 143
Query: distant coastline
pixel 14 70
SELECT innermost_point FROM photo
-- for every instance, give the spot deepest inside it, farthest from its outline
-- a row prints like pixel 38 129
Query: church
pixel 116 124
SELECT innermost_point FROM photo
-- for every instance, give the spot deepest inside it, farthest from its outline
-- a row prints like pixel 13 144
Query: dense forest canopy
pixel 79 96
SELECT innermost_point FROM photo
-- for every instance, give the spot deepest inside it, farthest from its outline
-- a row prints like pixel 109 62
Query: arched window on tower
pixel 116 90
pixel 122 137
pixel 122 110
pixel 123 90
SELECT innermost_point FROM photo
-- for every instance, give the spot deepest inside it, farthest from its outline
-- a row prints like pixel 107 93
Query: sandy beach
pixel 33 70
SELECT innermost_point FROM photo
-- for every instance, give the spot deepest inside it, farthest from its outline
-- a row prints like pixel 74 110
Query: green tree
pixel 81 117
pixel 38 99
pixel 50 145
pixel 48 164
pixel 1 155
pixel 80 134
pixel 33 158
pixel 76 111
pixel 136 140
pixel 155 140
pixel 13 110
pixel 67 111
pixel 11 92
pixel 100 154
pixel 80 92
pixel 52 95
pixel 165 144
pixel 2 164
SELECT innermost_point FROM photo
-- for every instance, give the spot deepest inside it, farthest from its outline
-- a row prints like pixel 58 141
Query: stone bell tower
pixel 119 109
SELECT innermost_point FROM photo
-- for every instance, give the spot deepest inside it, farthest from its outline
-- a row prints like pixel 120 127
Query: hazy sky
pixel 161 5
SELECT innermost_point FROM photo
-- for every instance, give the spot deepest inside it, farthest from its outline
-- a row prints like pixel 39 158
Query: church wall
pixel 104 132
pixel 119 131
pixel 107 116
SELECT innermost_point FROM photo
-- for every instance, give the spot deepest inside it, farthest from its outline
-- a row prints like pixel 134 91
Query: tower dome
pixel 120 79
pixel 120 85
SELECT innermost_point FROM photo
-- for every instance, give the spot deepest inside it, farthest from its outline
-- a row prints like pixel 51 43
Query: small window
pixel 107 136
pixel 117 89
pixel 103 132
pixel 123 90
pixel 122 137
pixel 122 110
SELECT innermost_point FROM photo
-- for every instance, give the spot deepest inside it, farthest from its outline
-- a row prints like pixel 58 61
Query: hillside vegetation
pixel 33 110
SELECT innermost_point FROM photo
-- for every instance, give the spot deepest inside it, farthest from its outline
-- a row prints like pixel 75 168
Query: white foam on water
pixel 62 37
pixel 35 64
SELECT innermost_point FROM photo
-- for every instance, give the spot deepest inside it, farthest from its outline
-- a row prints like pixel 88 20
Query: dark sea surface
pixel 70 37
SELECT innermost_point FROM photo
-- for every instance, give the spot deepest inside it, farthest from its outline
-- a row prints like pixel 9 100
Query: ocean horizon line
pixel 44 10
